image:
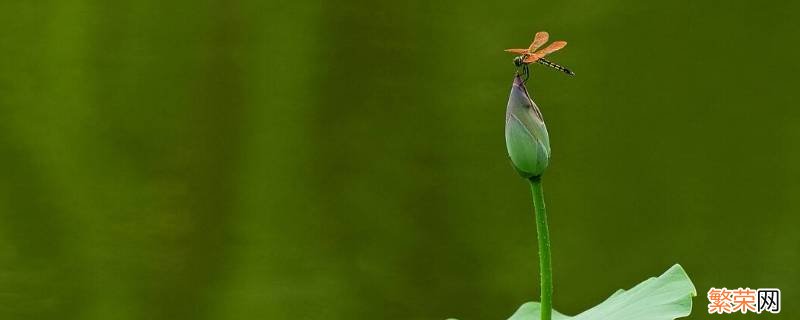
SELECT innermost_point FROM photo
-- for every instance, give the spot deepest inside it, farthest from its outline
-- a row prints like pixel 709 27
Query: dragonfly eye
pixel 518 61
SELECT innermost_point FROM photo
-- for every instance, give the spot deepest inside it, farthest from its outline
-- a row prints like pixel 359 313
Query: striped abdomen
pixel 553 65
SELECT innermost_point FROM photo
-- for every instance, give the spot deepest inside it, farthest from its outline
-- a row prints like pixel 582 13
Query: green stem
pixel 545 267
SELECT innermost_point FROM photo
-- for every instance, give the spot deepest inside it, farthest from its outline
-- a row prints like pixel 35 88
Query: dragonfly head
pixel 518 61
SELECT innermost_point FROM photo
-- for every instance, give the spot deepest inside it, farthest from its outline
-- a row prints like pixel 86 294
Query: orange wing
pixel 517 51
pixel 538 40
pixel 531 59
pixel 553 47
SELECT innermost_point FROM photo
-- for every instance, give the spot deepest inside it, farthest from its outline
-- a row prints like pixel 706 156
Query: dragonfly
pixel 531 54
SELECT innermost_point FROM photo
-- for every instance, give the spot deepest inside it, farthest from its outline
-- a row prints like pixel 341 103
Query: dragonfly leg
pixel 527 73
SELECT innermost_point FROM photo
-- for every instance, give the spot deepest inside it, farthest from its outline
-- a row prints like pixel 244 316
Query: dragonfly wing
pixel 538 40
pixel 553 47
pixel 517 51
pixel 531 58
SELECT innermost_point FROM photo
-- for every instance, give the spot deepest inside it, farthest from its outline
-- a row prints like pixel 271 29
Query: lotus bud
pixel 526 135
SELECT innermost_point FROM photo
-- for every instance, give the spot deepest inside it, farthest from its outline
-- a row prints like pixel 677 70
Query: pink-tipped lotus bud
pixel 526 135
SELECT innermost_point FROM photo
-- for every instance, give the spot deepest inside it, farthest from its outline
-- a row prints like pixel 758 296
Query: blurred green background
pixel 345 159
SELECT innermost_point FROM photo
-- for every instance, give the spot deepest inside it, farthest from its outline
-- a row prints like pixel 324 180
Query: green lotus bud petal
pixel 526 135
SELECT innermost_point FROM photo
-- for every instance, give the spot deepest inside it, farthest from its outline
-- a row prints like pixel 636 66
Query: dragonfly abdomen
pixel 556 66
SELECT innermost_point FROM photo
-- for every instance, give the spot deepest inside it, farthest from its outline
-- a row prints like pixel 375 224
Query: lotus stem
pixel 545 267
